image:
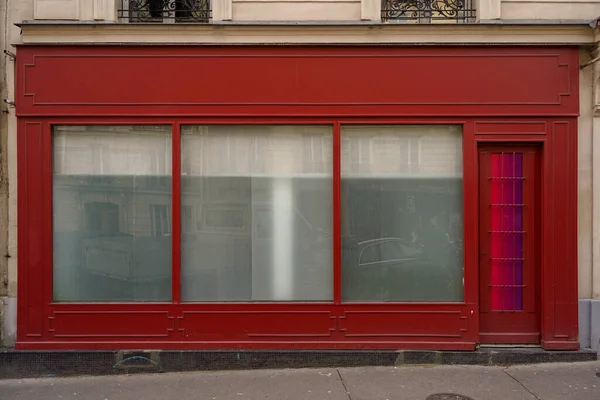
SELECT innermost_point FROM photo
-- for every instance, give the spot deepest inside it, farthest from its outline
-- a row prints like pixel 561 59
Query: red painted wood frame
pixel 504 322
pixel 497 94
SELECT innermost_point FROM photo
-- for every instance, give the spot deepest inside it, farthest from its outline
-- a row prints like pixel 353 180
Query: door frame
pixel 558 219
pixel 516 338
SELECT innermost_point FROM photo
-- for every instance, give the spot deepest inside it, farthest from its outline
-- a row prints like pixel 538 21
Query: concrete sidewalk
pixel 574 381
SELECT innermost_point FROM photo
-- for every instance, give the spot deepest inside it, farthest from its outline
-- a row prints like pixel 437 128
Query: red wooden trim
pixel 33 222
pixel 337 214
pixel 22 221
pixel 470 221
pixel 509 139
pixel 484 168
pixel 531 240
pixel 148 119
pixel 548 230
pixel 513 338
pixel 48 212
pixel 560 345
pixel 571 272
pixel 500 128
pixel 547 81
pixel 494 323
pixel 296 306
pixel 176 213
pixel 291 345
pixel 563 251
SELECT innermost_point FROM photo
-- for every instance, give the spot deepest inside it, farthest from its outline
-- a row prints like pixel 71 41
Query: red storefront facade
pixel 511 107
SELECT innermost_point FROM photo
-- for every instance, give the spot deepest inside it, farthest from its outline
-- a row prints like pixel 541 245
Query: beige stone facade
pixel 522 22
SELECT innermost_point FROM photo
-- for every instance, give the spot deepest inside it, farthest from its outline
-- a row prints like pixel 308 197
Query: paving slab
pixel 575 381
pixel 417 383
pixel 235 385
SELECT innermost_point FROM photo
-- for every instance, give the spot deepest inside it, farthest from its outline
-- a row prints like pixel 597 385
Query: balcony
pixel 164 11
pixel 428 11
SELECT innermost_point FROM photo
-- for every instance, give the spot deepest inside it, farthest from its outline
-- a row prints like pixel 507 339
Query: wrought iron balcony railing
pixel 164 11
pixel 428 11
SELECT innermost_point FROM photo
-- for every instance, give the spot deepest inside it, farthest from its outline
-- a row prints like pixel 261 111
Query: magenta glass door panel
pixel 507 231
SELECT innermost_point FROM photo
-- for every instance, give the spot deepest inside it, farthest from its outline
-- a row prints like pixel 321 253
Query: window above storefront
pixel 164 11
pixel 428 11
pixel 315 12
pixel 200 11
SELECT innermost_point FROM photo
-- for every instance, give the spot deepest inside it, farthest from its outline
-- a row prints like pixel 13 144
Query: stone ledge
pixel 23 364
pixel 321 34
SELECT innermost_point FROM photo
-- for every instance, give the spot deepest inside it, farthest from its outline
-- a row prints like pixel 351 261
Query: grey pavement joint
pixel 520 383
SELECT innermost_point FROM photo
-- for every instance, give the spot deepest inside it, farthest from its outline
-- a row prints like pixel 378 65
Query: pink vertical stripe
pixel 496 245
pixel 507 223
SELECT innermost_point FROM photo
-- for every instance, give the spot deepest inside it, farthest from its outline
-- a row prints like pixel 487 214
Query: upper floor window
pixel 428 11
pixel 164 11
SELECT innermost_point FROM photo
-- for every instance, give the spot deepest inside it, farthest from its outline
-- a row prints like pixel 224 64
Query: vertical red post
pixel 471 227
pixel 33 222
pixel 337 215
pixel 47 212
pixel 176 214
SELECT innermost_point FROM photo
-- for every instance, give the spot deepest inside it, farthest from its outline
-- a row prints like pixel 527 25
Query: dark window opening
pixel 164 11
pixel 428 11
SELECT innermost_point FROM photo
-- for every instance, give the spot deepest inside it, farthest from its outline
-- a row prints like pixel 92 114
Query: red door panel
pixel 508 266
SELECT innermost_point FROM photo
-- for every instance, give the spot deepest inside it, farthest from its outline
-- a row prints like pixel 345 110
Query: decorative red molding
pixel 110 324
pixel 296 80
pixel 510 128
pixel 564 250
pixel 242 325
pixel 409 324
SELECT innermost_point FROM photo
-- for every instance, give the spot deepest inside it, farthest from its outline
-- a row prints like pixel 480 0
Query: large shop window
pixel 402 224
pixel 261 200
pixel 257 213
pixel 111 193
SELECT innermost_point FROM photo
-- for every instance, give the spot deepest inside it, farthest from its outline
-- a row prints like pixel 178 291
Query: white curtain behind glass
pixel 405 149
pixel 112 150
pixel 277 180
pixel 256 150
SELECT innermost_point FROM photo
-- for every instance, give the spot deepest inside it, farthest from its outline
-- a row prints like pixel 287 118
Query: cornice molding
pixel 113 33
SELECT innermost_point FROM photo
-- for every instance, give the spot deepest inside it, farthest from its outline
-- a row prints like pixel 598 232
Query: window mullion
pixel 337 215
pixel 176 213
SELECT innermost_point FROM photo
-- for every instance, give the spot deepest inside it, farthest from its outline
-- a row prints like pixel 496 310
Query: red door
pixel 509 191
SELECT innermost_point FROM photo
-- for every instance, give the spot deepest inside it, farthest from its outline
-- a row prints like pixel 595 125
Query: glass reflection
pixel 258 213
pixel 402 223
pixel 111 213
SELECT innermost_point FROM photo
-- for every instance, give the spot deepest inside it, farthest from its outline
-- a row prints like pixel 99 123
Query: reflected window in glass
pixel 402 218
pixel 263 196
pixel 111 221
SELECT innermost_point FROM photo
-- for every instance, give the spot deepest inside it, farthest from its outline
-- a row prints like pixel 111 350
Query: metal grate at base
pixel 447 396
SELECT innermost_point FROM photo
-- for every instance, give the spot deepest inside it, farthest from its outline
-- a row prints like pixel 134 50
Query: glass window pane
pixel 507 231
pixel 112 213
pixel 260 200
pixel 402 213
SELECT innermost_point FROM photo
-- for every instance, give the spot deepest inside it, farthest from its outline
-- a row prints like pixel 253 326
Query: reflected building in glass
pixel 112 213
